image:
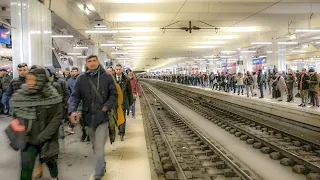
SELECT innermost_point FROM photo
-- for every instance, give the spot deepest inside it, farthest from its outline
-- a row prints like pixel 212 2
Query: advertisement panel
pixel 4 35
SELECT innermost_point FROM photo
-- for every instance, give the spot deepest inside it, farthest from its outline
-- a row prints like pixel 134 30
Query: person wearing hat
pixel 313 87
pixel 5 82
pixel 38 104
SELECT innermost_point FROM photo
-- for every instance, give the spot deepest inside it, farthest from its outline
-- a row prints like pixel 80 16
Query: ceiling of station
pixel 138 26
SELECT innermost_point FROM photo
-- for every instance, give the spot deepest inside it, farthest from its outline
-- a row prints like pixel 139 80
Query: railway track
pixel 183 151
pixel 299 153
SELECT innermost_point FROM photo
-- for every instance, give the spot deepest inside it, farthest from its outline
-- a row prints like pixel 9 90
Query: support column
pixel 247 64
pixel 277 57
pixel 213 66
pixel 202 66
pixel 31 37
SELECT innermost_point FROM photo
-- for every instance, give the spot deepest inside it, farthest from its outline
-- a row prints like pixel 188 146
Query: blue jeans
pixel 133 108
pixel 5 101
pixel 98 138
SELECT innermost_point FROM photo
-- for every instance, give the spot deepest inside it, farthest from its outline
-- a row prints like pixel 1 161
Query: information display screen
pixel 4 35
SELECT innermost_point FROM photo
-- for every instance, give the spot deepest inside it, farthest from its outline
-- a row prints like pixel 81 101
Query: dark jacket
pixel 5 82
pixel 15 85
pixel 305 84
pixel 44 131
pixel 314 82
pixel 289 81
pixel 126 90
pixel 72 83
pixel 261 79
pixel 65 90
pixel 92 107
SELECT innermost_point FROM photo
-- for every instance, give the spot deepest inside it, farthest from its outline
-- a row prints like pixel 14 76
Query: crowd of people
pixel 278 84
pixel 41 100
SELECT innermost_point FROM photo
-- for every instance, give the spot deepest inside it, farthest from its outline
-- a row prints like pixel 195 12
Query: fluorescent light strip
pixel 202 47
pixel 298 51
pixel 261 43
pixel 123 58
pixel 226 52
pixel 111 45
pixel 119 53
pixel 225 56
pixel 62 36
pixel 199 59
pixel 315 38
pixel 307 30
pixel 208 56
pixel 73 53
pixel 287 43
pixel 317 42
pixel 248 51
pixel 101 27
pixel 100 32
pixel 80 47
pixel 82 57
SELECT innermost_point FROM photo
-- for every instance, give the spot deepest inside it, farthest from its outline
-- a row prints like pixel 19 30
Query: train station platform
pixel 128 161
pixel 290 110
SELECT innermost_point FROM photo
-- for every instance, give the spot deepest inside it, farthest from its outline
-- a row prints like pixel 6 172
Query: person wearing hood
pixel 98 94
pixel 37 106
pixel 281 86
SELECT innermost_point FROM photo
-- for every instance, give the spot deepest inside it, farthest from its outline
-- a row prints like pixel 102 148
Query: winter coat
pixel 15 85
pixel 240 81
pixel 305 84
pixel 5 82
pixel 65 90
pixel 92 106
pixel 281 86
pixel 126 90
pixel 45 129
pixel 120 113
pixel 314 82
pixel 72 83
pixel 261 79
pixel 249 80
pixel 135 87
pixel 289 81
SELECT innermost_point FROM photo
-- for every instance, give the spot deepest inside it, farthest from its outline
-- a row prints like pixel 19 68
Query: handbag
pixel 17 134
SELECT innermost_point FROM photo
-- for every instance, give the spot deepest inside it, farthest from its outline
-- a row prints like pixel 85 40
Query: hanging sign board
pixel 4 35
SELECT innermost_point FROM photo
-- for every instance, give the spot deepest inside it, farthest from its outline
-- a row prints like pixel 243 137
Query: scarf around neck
pixel 26 100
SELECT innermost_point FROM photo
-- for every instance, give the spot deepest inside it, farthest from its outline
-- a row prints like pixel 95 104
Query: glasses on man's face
pixel 21 65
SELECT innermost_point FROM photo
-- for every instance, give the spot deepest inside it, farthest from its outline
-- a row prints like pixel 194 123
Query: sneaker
pixel 83 137
pixel 133 117
pixel 122 137
pixel 304 105
pixel 70 130
pixel 300 105
pixel 113 147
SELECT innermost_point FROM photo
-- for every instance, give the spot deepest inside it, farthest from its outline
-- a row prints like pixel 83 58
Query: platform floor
pixel 267 96
pixel 129 161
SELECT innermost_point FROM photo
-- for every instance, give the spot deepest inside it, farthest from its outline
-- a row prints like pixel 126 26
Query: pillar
pixel 202 66
pixel 277 57
pixel 247 64
pixel 31 37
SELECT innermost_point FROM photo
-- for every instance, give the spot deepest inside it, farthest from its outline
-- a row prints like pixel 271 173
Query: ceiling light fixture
pixel 81 57
pixel 287 43
pixel 248 51
pixel 111 45
pixel 100 26
pixel 73 53
pixel 202 47
pixel 260 43
pixel 307 30
pixel 298 51
pixel 215 42
pixel 80 47
pixel 199 59
pixel 315 38
pixel 62 36
pixel 228 52
pixel 317 42
pixel 208 56
pixel 91 7
pixel 119 53
pixel 101 31
pixel 223 37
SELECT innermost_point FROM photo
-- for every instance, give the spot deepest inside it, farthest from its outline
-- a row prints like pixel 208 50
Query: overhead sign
pixel 4 35
pixel 259 61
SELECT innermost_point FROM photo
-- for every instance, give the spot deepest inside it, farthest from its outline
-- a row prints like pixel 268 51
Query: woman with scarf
pixel 39 105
